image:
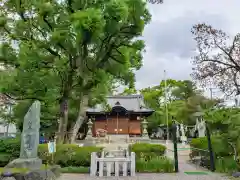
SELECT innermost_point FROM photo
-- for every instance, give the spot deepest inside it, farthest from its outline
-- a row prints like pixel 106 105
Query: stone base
pixel 51 173
pixel 33 163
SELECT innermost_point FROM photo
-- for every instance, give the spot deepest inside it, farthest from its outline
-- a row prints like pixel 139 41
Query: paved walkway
pixel 152 176
pixel 184 166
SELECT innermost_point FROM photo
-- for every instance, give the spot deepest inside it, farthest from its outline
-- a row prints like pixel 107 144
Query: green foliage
pixel 220 148
pixel 226 165
pixel 147 151
pixel 69 155
pixel 10 146
pixel 77 170
pixel 158 164
pixel 226 122
pixel 182 99
pixel 66 155
pixel 9 150
pixel 64 50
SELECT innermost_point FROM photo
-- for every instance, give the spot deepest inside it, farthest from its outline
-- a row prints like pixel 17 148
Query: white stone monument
pixel 202 129
pixel 177 131
pixel 29 140
pixel 183 136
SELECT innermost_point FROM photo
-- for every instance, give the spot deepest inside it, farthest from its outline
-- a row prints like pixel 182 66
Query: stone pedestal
pixel 31 163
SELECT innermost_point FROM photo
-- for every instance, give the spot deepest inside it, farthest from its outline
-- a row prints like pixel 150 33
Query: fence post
pixel 212 163
pixel 93 165
pixel 174 128
pixel 132 164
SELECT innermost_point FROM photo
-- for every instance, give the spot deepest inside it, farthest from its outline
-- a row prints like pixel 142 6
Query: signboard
pixel 51 147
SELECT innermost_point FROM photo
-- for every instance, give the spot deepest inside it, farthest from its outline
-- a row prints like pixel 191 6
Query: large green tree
pixel 182 101
pixel 63 50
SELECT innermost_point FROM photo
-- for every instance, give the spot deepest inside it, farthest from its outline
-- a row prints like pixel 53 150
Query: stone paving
pixel 184 166
pixel 147 176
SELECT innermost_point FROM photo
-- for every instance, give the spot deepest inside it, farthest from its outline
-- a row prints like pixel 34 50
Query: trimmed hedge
pixel 66 155
pixel 72 158
pixel 69 154
pixel 147 151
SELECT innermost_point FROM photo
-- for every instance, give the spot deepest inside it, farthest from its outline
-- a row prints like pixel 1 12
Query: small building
pixel 122 115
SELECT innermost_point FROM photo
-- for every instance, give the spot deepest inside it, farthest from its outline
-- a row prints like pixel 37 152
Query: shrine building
pixel 123 115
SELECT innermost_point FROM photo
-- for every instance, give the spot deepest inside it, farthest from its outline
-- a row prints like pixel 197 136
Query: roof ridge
pixel 125 96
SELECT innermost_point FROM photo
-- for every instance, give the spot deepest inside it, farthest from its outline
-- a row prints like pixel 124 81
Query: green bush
pixel 68 155
pixel 10 146
pixel 226 165
pixel 158 164
pixel 147 151
pixel 9 150
pixel 220 148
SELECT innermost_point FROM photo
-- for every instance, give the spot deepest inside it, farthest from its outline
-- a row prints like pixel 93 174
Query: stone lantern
pixel 89 133
pixel 144 129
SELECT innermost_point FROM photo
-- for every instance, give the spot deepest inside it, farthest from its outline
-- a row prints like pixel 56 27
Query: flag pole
pixel 166 106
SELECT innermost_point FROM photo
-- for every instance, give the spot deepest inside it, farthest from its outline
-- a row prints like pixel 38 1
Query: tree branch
pixel 23 98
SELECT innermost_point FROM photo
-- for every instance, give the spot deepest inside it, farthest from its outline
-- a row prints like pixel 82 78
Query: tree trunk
pixel 62 128
pixel 80 119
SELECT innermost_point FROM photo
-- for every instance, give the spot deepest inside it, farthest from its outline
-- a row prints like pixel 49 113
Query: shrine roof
pixel 134 103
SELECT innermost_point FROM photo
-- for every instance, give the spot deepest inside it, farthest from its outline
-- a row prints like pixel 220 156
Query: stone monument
pixel 177 132
pixel 202 129
pixel 29 140
pixel 183 136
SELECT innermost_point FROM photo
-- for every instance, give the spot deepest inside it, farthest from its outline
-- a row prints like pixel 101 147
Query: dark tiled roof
pixel 129 102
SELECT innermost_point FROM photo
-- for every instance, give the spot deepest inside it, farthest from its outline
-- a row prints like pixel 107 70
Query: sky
pixel 168 38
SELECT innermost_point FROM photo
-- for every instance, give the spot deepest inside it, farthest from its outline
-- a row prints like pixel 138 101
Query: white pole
pixel 166 107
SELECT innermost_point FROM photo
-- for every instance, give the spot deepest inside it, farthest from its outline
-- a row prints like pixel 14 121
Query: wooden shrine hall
pixel 124 115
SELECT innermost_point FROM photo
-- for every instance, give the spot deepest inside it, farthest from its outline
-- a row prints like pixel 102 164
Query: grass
pixel 157 164
pixel 80 170
pixel 196 173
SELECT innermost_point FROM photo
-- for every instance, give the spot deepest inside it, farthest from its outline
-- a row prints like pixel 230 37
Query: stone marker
pixel 29 140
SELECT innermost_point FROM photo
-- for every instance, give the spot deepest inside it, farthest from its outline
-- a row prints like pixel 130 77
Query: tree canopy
pixel 217 59
pixel 61 51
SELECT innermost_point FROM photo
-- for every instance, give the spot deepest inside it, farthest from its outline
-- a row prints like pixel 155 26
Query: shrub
pixel 148 151
pixel 10 146
pixel 69 154
pixel 220 148
pixel 226 165
pixel 66 155
pixel 9 150
pixel 158 164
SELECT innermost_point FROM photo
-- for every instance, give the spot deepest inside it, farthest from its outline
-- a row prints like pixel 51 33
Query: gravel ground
pixel 152 176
